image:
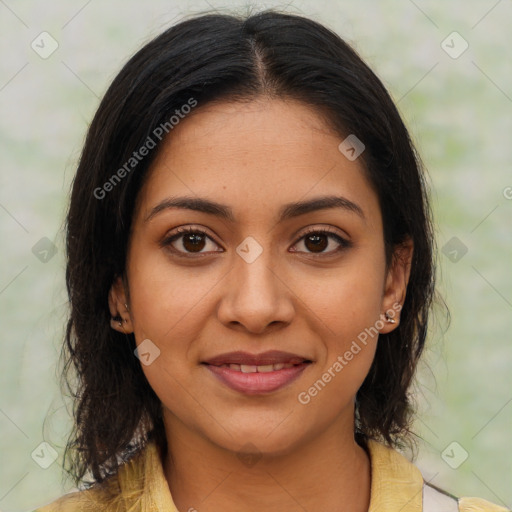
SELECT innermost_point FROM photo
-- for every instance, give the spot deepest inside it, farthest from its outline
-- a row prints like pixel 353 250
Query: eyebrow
pixel 287 211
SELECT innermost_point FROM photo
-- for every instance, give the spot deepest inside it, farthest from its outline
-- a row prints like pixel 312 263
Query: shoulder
pixel 395 479
pixel 436 500
pixel 112 495
pixel 79 501
pixel 479 505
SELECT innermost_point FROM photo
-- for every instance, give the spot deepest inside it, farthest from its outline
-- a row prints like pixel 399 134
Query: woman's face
pixel 255 277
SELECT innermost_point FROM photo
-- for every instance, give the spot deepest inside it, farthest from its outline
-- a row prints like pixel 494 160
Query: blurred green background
pixel 457 102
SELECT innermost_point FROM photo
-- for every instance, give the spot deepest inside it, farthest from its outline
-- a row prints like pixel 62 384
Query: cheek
pixel 167 306
pixel 167 302
pixel 349 300
pixel 347 320
pixel 166 311
pixel 349 334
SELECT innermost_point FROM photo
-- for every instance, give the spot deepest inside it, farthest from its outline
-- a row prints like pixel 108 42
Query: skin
pixel 254 157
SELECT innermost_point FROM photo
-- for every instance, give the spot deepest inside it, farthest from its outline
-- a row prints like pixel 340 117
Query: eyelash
pixel 167 242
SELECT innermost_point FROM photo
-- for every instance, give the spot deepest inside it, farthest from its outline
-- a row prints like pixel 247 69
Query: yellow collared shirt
pixel 140 485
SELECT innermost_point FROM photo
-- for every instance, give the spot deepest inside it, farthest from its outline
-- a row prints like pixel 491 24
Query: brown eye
pixel 193 242
pixel 188 241
pixel 317 241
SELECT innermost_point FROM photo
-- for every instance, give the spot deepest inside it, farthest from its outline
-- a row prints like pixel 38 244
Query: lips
pixel 255 374
pixel 250 368
pixel 271 357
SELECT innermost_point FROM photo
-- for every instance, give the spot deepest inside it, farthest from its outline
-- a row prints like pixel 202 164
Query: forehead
pixel 255 157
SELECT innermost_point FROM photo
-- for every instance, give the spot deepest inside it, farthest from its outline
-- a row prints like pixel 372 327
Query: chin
pixel 260 437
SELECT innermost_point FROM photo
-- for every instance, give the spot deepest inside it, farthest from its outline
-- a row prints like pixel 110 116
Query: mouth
pixel 257 374
pixel 268 358
pixel 264 368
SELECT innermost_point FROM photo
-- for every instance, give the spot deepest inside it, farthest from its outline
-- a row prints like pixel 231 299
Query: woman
pixel 250 270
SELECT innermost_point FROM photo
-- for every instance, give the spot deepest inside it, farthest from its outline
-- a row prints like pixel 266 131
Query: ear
pixel 118 305
pixel 395 287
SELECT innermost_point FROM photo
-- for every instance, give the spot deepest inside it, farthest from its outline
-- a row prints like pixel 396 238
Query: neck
pixel 329 471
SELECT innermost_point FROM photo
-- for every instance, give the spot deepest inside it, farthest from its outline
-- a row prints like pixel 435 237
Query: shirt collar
pixel 396 484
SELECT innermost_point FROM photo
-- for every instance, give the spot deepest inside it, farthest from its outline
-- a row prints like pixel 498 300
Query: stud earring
pixel 126 306
pixel 389 319
pixel 117 319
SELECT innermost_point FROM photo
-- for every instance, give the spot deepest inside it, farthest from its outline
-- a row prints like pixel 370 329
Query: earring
pixel 117 319
pixel 126 306
pixel 389 319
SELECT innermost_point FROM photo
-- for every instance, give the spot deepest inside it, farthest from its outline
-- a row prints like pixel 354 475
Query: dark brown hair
pixel 219 57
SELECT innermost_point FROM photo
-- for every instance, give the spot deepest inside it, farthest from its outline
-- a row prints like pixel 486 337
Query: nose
pixel 255 294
